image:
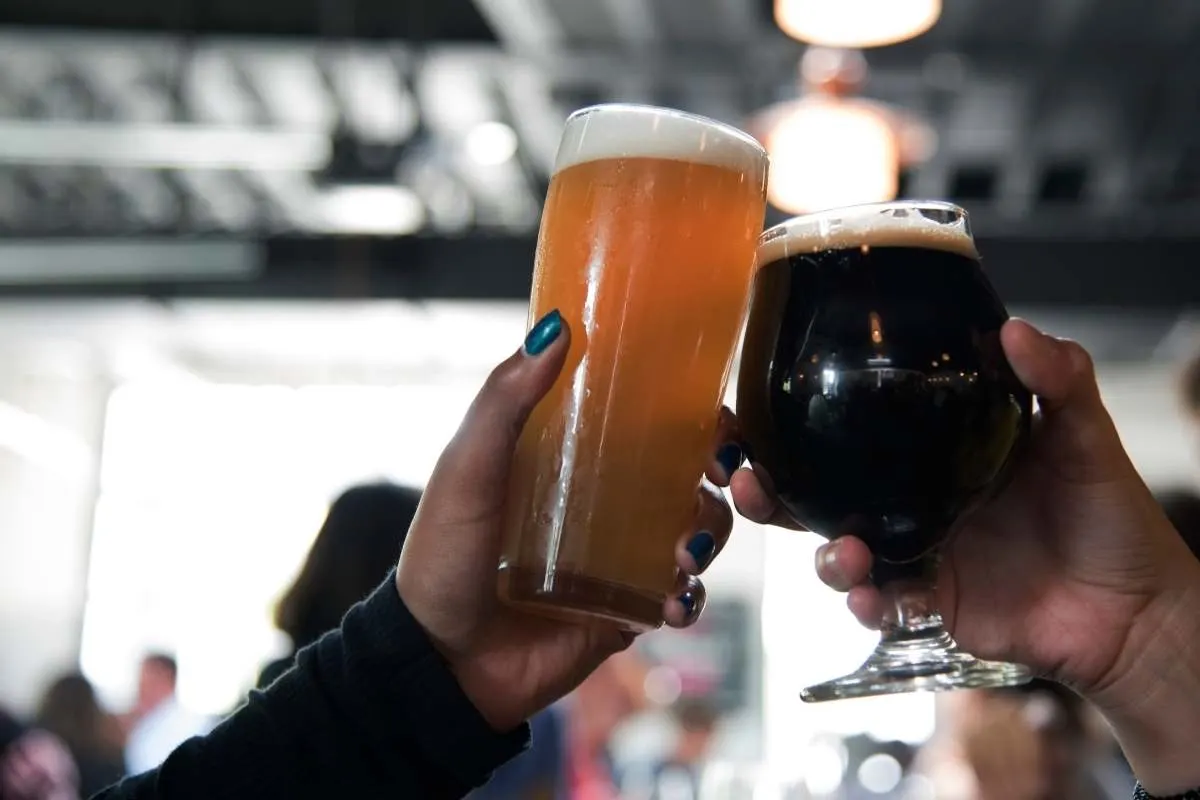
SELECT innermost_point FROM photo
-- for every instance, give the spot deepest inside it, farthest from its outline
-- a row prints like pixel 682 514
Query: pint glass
pixel 647 249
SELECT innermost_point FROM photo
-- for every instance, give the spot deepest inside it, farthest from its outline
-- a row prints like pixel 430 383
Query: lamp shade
pixel 856 23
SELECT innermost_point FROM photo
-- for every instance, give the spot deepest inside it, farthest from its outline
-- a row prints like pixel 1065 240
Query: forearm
pixel 369 711
pixel 1154 707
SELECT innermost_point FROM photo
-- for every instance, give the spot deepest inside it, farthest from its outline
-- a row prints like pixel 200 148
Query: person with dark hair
pixel 425 687
pixel 1182 507
pixel 359 542
pixel 71 711
pixel 158 722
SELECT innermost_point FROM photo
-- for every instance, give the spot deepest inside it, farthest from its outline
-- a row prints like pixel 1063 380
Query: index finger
pixel 756 503
pixel 727 452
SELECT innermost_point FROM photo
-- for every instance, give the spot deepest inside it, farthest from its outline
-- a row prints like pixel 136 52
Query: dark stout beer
pixel 873 389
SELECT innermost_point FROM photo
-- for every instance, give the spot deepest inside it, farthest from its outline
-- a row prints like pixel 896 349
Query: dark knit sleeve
pixel 1141 794
pixel 370 710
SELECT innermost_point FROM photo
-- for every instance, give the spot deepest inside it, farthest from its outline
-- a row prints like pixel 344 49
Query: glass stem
pixel 910 611
pixel 915 653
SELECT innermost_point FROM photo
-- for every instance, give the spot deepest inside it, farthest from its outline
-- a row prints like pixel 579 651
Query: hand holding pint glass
pixel 876 401
pixel 647 249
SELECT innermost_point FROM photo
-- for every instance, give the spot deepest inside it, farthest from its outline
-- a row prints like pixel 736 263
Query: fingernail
pixel 701 547
pixel 688 601
pixel 543 334
pixel 729 456
pixel 827 563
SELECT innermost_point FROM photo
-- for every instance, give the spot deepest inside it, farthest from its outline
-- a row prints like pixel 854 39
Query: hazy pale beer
pixel 647 248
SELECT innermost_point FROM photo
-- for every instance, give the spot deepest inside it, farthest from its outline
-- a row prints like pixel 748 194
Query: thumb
pixel 1060 372
pixel 470 482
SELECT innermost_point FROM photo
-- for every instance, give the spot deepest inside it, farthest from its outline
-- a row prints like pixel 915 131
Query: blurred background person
pixel 159 722
pixel 71 711
pixel 540 773
pixel 358 544
pixel 34 764
pixel 678 776
pixel 611 696
pixel 571 756
pixel 1035 742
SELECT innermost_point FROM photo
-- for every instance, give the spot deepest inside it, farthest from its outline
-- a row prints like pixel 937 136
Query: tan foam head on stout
pixel 633 131
pixel 898 224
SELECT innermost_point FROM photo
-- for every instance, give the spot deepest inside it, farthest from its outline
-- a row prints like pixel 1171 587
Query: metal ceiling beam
pixel 530 32
pixel 1060 21
pixel 123 145
pixel 1173 122
pixel 83 262
pixel 738 19
pixel 536 115
pixel 524 27
pixel 635 23
pixel 1086 273
pixel 212 85
pixel 956 21
pixel 221 86
pixel 591 66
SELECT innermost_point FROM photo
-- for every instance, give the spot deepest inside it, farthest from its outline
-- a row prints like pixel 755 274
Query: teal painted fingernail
pixel 543 334
pixel 730 458
pixel 701 548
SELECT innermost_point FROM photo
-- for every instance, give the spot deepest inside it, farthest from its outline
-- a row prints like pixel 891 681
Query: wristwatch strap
pixel 1141 794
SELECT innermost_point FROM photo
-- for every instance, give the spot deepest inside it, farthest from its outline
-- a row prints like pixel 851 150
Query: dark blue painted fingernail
pixel 729 456
pixel 701 546
pixel 543 334
pixel 688 601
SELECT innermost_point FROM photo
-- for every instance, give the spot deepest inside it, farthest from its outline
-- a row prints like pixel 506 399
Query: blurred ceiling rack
pixel 1069 129
pixel 1099 273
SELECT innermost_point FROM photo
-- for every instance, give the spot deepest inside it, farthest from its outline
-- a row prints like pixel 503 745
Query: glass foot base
pixel 919 664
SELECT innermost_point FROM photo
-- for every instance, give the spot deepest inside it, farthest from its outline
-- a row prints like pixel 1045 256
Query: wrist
pixel 499 709
pixel 470 672
pixel 1152 700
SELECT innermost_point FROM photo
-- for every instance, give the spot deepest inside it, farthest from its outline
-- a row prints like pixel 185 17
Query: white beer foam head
pixel 633 131
pixel 899 224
